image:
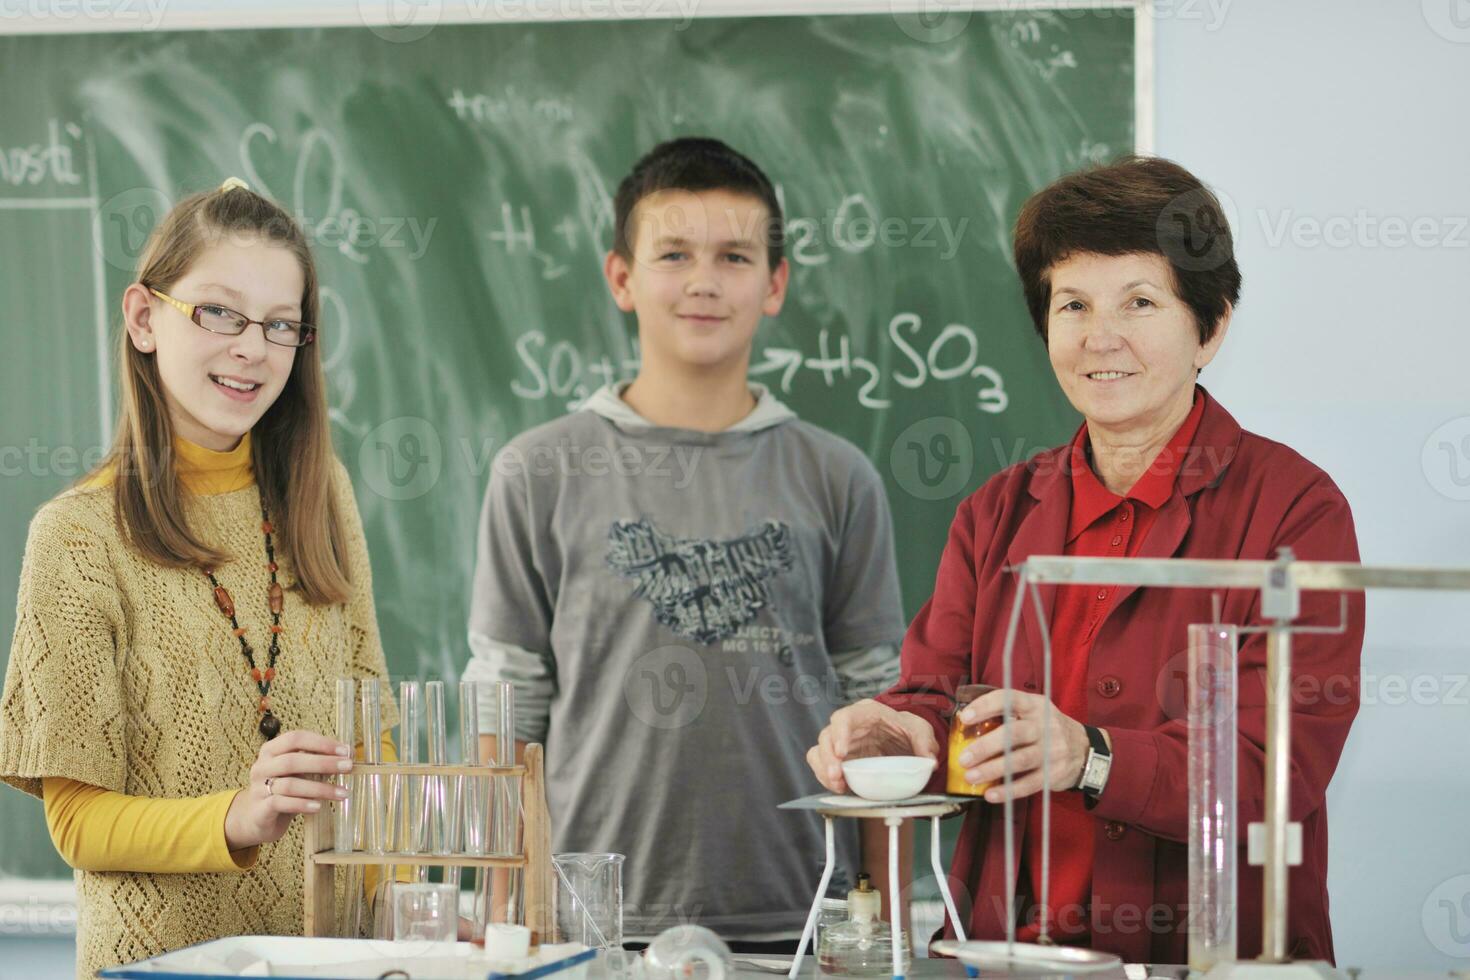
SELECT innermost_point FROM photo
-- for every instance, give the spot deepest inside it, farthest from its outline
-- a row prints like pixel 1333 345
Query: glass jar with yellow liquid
pixel 962 736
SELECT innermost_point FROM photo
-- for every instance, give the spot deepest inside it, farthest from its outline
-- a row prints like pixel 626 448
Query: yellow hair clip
pixel 231 183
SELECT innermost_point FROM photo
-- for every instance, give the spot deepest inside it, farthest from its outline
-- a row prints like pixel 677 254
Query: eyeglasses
pixel 220 319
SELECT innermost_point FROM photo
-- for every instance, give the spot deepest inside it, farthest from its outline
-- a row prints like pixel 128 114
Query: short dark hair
pixel 696 163
pixel 1134 205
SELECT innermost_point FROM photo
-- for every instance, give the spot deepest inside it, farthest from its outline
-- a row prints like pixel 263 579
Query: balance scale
pixel 1280 583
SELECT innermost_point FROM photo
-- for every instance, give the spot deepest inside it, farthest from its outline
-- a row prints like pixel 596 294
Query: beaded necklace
pixel 270 725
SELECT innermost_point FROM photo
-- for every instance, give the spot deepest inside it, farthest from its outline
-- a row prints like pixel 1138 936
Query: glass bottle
pixel 863 945
pixel 961 736
pixel 833 912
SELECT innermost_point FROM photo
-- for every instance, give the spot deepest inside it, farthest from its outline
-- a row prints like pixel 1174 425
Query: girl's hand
pixel 280 786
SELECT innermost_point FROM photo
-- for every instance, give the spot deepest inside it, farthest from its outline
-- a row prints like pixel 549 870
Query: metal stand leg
pixel 811 918
pixel 943 879
pixel 895 915
pixel 954 915
pixel 1278 793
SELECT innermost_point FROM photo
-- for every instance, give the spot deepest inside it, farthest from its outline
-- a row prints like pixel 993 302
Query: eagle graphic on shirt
pixel 702 590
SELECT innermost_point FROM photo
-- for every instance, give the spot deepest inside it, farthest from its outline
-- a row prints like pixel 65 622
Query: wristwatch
pixel 1095 769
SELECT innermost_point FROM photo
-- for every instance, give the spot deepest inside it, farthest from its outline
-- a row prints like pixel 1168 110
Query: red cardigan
pixel 1238 495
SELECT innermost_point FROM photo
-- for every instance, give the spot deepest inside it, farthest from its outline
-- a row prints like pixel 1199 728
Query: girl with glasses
pixel 185 611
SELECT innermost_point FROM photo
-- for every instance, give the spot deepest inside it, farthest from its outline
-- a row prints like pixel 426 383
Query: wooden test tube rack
pixel 534 859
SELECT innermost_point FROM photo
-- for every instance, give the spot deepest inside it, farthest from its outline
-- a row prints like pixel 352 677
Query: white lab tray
pixel 302 958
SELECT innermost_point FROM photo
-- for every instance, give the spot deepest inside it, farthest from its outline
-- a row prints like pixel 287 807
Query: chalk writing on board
pixel 851 226
pixel 1091 151
pixel 1055 62
pixel 517 234
pixel 853 229
pixel 509 105
pixel 952 354
pixel 1025 31
pixel 938 362
pixel 563 371
pixel 854 225
pixel 333 223
pixel 336 327
pixel 50 160
pixel 1047 58
pixel 335 339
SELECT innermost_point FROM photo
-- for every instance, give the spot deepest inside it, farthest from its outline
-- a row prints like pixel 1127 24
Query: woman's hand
pixel 984 758
pixel 260 813
pixel 864 729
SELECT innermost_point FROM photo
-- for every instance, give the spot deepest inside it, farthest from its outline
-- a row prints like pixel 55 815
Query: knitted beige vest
pixel 123 674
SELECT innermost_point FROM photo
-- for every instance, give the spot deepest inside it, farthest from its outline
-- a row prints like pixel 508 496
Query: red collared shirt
pixel 1105 525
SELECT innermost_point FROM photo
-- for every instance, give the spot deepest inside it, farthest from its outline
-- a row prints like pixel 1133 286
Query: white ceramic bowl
pixel 888 777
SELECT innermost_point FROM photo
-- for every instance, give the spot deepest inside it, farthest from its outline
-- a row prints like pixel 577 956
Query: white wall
pixel 1356 354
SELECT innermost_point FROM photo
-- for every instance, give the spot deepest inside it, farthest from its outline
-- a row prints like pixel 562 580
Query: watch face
pixel 1097 771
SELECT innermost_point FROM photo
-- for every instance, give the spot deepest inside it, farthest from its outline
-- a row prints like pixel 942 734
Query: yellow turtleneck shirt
pixel 126 695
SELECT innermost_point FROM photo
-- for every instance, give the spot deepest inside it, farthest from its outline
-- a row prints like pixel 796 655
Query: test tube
pixel 410 823
pixel 497 897
pixel 507 816
pixel 1212 805
pixel 434 785
pixel 473 791
pixel 346 710
pixel 372 797
pixel 394 839
pixel 475 795
pixel 413 820
pixel 444 811
pixel 349 816
pixel 355 903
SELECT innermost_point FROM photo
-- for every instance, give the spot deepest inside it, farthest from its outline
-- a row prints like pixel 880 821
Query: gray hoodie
pixel 681 612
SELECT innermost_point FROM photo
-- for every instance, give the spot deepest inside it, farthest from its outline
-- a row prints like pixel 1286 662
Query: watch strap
pixel 1099 746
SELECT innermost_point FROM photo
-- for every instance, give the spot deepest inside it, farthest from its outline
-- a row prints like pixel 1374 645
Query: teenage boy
pixel 683 580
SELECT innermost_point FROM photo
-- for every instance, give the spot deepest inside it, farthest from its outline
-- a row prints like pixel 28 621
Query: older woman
pixel 1130 278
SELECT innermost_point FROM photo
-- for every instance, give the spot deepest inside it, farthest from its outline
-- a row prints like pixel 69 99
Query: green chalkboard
pixel 458 184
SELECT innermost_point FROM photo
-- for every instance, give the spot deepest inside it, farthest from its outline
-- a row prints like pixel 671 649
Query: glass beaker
pixel 589 899
pixel 425 911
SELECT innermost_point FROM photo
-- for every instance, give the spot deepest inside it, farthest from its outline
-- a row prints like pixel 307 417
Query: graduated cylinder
pixel 1213 840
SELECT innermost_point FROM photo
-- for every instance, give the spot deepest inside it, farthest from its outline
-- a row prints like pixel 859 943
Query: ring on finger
pixel 268 790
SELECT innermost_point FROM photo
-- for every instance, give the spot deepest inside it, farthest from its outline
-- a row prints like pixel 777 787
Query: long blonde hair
pixel 291 445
